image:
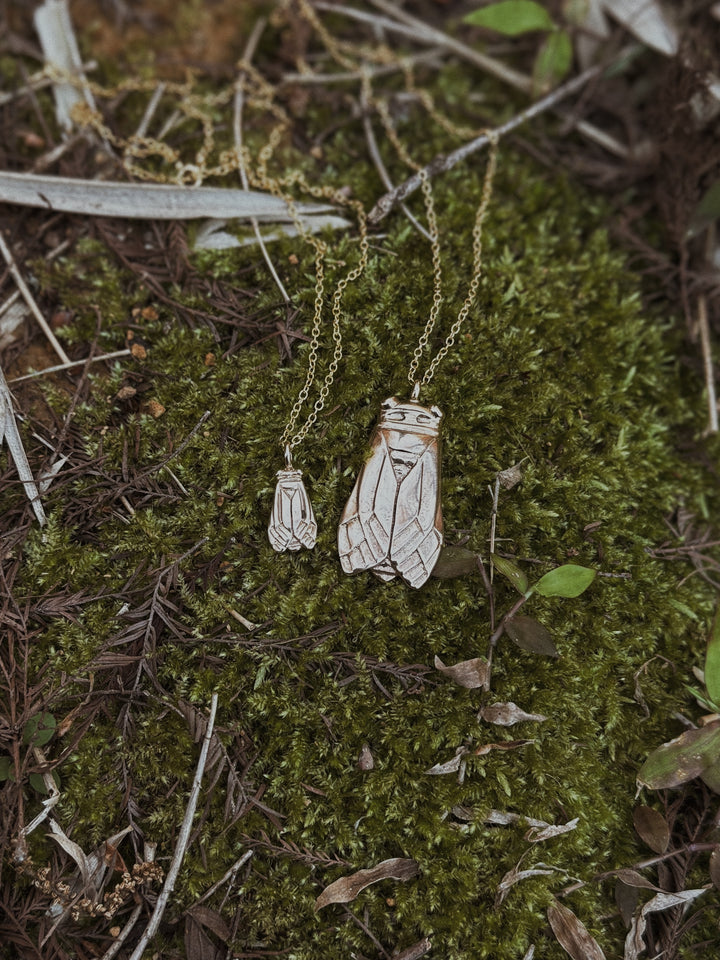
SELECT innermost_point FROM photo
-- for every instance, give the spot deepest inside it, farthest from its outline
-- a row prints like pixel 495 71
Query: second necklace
pixel 392 524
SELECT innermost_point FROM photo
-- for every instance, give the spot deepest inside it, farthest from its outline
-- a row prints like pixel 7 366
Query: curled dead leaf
pixel 347 888
pixel 538 834
pixel 507 714
pixel 503 745
pixel 468 673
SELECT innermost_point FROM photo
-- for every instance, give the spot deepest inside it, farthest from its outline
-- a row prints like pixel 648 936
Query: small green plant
pixel 37 732
pixel 515 17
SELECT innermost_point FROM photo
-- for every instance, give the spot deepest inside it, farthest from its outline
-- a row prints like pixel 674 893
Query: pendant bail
pixel 415 391
pixel 288 457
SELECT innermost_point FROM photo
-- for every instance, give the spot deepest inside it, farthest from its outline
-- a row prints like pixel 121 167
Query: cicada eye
pixel 396 416
pixel 423 418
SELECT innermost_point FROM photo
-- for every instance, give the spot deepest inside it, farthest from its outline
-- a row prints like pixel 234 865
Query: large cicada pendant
pixel 392 523
pixel 292 521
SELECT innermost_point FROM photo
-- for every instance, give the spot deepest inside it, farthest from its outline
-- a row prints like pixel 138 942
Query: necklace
pixel 392 524
pixel 292 520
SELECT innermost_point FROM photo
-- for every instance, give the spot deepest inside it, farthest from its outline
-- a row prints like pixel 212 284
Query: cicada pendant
pixel 292 521
pixel 392 523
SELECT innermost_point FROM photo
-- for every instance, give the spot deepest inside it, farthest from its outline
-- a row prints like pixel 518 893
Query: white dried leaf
pixel 11 321
pixel 47 476
pixel 450 766
pixel 502 818
pixel 665 901
pixel 59 45
pixel 647 21
pixel 507 714
pixel 9 432
pixel 515 876
pixel 146 201
pixel 212 237
pixel 73 850
pixel 537 835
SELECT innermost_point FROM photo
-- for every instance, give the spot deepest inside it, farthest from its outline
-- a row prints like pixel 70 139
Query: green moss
pixel 560 365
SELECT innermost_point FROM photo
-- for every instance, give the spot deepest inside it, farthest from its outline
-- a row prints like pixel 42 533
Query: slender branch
pixel 228 875
pixel 30 299
pixel 182 842
pixel 706 345
pixel 239 102
pixel 443 163
pixel 347 76
pixel 380 165
pixel 70 364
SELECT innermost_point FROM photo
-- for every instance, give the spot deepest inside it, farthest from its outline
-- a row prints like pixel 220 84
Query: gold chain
pixel 384 114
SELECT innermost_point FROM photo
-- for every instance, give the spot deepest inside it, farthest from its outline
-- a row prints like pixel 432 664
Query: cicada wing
pixel 366 522
pixel 417 532
pixel 292 522
pixel 304 527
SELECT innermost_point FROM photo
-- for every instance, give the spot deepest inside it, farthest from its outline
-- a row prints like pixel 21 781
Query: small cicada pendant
pixel 392 523
pixel 292 521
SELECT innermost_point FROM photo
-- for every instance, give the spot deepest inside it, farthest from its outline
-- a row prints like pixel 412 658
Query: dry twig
pixel 182 842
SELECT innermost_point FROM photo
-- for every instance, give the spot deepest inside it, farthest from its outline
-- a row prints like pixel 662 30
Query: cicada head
pixel 410 417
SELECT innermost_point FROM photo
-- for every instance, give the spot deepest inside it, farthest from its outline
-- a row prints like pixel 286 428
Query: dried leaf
pixel 511 476
pixel 9 432
pixel 503 745
pixel 450 766
pixel 502 818
pixel 646 20
pixel 455 562
pixel 416 951
pixel 516 875
pixel 211 236
pixel 530 635
pixel 507 714
pixel 347 888
pixel 514 574
pixel 634 943
pixel 212 920
pixel 634 879
pixel 715 867
pixel 57 38
pixel 147 201
pixel 572 935
pixel 626 898
pixel 73 850
pixel 666 901
pixel 365 760
pixel 197 943
pixel 652 828
pixel 535 835
pixel 468 673
pixel 682 759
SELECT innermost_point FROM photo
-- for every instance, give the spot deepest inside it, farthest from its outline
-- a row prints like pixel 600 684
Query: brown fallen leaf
pixel 626 899
pixel 530 635
pixel 572 935
pixel 468 673
pixel 652 827
pixel 507 714
pixel 347 888
pixel 634 879
pixel 634 942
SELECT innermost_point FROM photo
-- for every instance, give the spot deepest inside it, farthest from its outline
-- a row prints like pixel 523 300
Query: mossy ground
pixel 559 365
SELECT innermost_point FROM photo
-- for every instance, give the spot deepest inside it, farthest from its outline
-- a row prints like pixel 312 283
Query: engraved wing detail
pixel 392 523
pixel 366 523
pixel 417 533
pixel 292 521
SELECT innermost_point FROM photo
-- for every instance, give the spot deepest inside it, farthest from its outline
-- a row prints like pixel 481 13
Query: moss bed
pixel 560 366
